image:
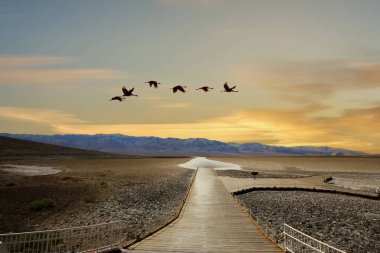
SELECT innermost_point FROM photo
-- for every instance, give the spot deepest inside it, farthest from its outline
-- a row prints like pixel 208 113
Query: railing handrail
pixel 308 236
pixel 261 222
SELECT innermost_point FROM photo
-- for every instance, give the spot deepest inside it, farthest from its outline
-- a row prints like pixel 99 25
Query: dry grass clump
pixel 90 198
pixel 41 204
pixel 103 184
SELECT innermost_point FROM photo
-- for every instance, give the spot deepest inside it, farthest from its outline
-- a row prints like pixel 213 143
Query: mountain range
pixel 154 146
pixel 13 148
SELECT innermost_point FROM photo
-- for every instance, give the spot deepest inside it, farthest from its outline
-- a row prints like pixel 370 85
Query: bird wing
pixel 226 86
pixel 131 90
pixel 125 91
pixel 233 87
pixel 181 89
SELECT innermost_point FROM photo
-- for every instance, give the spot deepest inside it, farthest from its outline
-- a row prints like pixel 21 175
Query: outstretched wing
pixel 233 87
pixel 226 86
pixel 131 90
pixel 125 91
pixel 181 89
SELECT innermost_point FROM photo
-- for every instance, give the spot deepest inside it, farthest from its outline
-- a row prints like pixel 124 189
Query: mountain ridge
pixel 20 148
pixel 156 146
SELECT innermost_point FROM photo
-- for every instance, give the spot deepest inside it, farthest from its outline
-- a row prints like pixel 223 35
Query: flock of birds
pixel 181 88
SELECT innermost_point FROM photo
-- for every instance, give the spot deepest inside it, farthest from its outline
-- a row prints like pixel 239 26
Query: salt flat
pixel 29 170
pixel 202 162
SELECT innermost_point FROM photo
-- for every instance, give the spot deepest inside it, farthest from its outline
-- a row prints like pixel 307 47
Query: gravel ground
pixel 348 223
pixel 144 206
pixel 357 184
pixel 248 174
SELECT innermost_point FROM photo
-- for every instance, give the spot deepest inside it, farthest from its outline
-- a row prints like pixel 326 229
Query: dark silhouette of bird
pixel 205 88
pixel 128 93
pixel 179 88
pixel 228 89
pixel 119 98
pixel 153 83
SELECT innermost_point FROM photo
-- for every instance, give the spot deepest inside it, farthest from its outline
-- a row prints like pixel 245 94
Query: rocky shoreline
pixel 348 223
pixel 144 206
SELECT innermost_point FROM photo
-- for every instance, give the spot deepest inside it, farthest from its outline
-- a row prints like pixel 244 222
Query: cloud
pixel 356 129
pixel 38 115
pixel 328 84
pixel 175 105
pixel 14 61
pixel 312 77
pixel 153 98
pixel 59 76
pixel 27 70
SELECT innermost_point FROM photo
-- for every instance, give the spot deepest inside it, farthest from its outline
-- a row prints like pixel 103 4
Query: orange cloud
pixel 175 105
pixel 23 70
pixel 326 87
pixel 55 76
pixel 313 76
pixel 12 61
pixel 153 98
pixel 37 115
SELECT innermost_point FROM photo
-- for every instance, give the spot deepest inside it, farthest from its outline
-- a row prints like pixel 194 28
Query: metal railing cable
pixel 291 239
pixel 92 238
pixel 297 242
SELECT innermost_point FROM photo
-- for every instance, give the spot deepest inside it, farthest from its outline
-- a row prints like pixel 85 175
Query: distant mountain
pixel 154 146
pixel 17 148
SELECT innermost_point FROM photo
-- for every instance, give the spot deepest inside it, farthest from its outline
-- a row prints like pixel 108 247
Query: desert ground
pixel 145 193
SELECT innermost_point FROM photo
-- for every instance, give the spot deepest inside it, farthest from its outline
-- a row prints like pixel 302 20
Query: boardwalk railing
pixel 297 242
pixel 261 223
pixel 93 238
pixel 292 240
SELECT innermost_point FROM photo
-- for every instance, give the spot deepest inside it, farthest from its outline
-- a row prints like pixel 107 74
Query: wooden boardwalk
pixel 211 221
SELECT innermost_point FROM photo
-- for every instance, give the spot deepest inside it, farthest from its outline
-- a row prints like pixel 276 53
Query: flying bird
pixel 153 83
pixel 205 88
pixel 128 93
pixel 179 88
pixel 228 89
pixel 119 98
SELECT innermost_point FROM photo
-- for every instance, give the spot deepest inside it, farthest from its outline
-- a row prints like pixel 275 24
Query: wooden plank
pixel 210 221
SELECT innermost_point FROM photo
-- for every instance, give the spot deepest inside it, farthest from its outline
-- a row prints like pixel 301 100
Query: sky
pixel 307 72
